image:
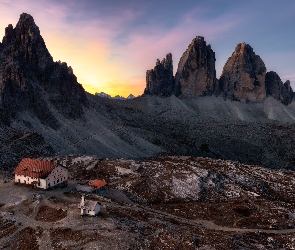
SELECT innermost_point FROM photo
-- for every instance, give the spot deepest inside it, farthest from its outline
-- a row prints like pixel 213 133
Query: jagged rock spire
pixel 27 72
pixel 243 76
pixel 160 80
pixel 276 88
pixel 196 75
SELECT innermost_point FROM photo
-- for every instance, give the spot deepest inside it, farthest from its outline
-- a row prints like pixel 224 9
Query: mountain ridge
pixel 44 97
pixel 28 75
pixel 243 77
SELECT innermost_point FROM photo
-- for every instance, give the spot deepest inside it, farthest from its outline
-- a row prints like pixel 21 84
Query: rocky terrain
pixel 16 145
pixel 222 172
pixel 171 202
pixel 260 133
pixel 254 133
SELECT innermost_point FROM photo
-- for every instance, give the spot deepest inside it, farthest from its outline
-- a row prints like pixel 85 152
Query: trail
pixel 207 224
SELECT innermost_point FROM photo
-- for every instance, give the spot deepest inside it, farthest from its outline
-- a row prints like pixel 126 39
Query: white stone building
pixel 89 207
pixel 41 174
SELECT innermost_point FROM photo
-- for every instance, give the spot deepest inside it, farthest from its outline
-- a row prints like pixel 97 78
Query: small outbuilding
pixel 98 185
pixel 89 207
pixel 92 186
pixel 40 173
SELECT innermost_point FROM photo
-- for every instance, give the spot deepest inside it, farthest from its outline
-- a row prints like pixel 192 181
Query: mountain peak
pixel 27 70
pixel 26 25
pixel 244 48
pixel 196 75
pixel 243 75
pixel 25 16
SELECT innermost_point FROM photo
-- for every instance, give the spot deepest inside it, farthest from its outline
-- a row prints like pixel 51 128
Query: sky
pixel 110 44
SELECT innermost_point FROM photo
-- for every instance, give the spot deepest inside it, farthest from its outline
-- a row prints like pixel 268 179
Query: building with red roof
pixel 40 173
pixel 95 186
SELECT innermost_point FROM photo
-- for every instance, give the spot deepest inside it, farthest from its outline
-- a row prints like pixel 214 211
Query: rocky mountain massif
pixel 167 202
pixel 30 80
pixel 42 96
pixel 244 77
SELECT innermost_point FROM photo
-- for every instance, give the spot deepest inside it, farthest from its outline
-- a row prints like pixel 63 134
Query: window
pixel 54 182
pixel 57 180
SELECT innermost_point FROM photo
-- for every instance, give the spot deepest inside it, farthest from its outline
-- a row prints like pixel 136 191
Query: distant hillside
pixel 117 97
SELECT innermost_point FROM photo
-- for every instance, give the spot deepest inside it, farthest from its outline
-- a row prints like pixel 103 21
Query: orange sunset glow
pixel 110 45
pixel 86 49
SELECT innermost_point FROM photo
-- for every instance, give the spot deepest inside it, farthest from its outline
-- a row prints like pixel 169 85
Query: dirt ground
pixel 38 219
pixel 50 219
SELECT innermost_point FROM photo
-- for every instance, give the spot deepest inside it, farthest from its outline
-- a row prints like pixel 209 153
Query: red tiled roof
pixel 35 168
pixel 97 183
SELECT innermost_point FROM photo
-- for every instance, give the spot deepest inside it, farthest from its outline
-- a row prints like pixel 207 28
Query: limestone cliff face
pixel 243 76
pixel 276 88
pixel 29 79
pixel 196 75
pixel 160 80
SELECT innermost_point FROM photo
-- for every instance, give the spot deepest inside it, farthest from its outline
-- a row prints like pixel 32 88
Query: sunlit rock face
pixel 31 80
pixel 160 80
pixel 243 76
pixel 276 88
pixel 196 75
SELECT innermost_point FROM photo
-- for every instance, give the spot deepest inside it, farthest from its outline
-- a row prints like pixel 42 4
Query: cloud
pixel 152 41
pixel 111 52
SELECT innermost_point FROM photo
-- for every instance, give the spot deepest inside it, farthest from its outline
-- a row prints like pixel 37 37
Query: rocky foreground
pixel 16 144
pixel 169 202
